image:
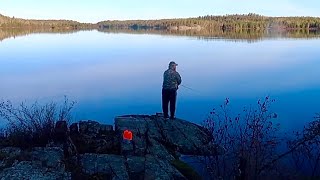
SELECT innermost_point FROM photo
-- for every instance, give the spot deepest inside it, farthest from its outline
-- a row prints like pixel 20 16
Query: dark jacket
pixel 171 79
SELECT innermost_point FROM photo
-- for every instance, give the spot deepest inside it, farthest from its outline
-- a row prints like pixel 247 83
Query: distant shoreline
pixel 228 22
pixel 250 27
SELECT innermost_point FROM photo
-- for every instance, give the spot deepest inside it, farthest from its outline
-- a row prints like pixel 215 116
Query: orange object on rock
pixel 127 135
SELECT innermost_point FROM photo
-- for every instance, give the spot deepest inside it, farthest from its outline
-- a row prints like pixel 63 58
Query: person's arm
pixel 178 78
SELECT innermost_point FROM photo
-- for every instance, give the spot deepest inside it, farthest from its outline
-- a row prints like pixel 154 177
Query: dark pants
pixel 169 95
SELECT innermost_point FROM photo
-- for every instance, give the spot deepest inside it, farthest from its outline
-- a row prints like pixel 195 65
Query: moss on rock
pixel 185 169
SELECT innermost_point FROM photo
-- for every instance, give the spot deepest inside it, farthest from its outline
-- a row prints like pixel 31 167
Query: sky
pixel 99 10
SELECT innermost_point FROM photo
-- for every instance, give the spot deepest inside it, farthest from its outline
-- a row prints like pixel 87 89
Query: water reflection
pixel 15 32
pixel 113 74
pixel 246 35
pixel 236 35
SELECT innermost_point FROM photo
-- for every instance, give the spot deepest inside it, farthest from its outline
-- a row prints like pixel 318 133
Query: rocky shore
pixel 90 150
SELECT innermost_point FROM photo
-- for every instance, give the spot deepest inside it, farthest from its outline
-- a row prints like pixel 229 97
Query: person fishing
pixel 171 82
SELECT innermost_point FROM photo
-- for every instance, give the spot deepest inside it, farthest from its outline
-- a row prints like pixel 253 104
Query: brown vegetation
pixel 254 146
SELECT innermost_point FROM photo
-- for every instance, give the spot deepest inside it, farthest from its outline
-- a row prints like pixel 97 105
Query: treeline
pixel 255 21
pixel 8 22
pixel 227 22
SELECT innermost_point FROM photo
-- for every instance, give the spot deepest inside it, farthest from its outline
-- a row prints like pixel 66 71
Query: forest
pixel 226 22
pixel 12 22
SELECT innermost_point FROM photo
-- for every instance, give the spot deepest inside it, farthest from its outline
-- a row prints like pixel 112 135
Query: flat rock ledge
pixel 90 150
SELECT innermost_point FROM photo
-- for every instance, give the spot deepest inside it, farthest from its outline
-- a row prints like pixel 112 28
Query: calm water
pixel 111 74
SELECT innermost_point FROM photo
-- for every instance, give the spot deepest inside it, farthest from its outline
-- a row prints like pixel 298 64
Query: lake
pixel 117 73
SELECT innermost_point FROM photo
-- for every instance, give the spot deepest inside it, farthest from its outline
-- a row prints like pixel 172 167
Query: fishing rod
pixel 189 88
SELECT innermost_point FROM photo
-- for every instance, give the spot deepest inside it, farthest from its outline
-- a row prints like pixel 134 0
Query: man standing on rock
pixel 171 82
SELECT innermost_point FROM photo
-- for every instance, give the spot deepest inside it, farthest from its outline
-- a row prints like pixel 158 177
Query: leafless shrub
pixel 249 140
pixel 306 149
pixel 30 125
pixel 252 142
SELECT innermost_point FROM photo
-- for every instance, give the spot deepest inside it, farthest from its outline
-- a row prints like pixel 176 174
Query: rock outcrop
pixel 92 137
pixel 90 150
pixel 38 163
pixel 184 28
pixel 162 138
